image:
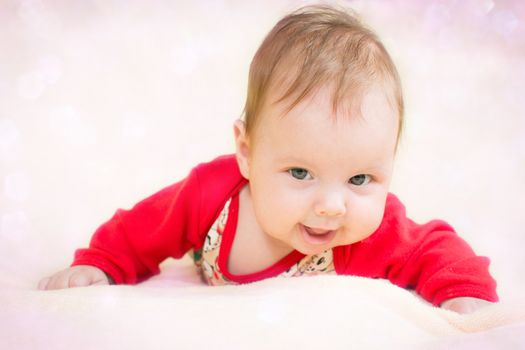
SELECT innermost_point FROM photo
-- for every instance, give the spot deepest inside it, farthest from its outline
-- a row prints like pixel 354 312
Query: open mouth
pixel 317 236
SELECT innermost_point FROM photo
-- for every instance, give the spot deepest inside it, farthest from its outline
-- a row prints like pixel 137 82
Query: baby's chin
pixel 309 249
pixel 305 247
pixel 309 252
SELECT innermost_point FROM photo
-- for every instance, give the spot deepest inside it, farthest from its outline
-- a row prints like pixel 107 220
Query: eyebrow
pixel 290 159
pixel 375 168
pixel 366 169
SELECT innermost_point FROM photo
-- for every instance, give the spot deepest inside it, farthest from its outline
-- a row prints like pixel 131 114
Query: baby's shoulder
pixel 218 180
pixel 222 165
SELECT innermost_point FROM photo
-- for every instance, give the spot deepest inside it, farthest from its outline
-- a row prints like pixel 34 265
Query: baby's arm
pixel 130 246
pixel 76 276
pixel 464 305
pixel 430 258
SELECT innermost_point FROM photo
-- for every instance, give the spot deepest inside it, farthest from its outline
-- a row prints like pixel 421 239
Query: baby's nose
pixel 331 204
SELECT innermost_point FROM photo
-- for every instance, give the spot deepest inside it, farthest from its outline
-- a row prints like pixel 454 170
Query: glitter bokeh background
pixel 104 102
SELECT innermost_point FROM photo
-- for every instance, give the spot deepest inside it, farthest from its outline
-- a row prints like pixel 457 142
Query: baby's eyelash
pixel 299 173
pixel 303 174
pixel 360 180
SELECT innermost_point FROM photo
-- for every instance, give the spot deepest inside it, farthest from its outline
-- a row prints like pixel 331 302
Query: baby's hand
pixel 464 305
pixel 76 276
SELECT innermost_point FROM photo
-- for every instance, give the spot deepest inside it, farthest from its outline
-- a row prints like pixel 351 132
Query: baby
pixel 306 192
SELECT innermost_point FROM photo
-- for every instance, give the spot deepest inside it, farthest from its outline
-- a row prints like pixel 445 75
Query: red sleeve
pixel 132 244
pixel 430 258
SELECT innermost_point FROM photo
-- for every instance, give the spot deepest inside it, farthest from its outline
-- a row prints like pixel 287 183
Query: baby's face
pixel 316 180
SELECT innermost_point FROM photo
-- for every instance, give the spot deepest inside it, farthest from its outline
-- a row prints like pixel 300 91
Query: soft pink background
pixel 105 102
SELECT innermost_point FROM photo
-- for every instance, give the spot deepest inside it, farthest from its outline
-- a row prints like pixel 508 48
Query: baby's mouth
pixel 317 235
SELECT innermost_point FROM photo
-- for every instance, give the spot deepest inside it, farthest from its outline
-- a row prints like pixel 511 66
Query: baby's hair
pixel 317 46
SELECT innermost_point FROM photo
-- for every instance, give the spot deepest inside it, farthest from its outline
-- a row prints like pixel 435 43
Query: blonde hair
pixel 316 46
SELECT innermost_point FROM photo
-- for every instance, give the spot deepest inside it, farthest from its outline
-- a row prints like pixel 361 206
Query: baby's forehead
pixel 368 127
pixel 366 111
pixel 372 101
pixel 311 134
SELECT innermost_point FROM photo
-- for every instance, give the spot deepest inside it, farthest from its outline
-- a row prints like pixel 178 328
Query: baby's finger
pixel 80 280
pixel 42 285
pixel 100 282
pixel 58 281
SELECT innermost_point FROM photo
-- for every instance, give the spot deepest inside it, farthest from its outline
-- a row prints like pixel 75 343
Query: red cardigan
pixel 430 258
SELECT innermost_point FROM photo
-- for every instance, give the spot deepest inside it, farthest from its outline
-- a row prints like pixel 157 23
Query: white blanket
pixel 174 310
pixel 102 103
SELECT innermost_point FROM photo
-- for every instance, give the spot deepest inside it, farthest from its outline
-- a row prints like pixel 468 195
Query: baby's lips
pixel 316 231
pixel 317 236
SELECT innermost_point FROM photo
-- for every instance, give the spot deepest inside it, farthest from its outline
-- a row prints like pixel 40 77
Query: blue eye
pixel 299 173
pixel 360 180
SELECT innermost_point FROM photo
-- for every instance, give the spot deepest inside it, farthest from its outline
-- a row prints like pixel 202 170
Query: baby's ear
pixel 242 149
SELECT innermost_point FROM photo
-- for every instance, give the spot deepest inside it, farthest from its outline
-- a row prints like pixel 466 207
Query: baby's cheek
pixel 367 220
pixel 287 211
pixel 271 209
pixel 376 218
pixel 375 223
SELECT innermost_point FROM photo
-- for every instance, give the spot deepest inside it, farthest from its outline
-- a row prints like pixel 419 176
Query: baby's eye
pixel 299 173
pixel 360 180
